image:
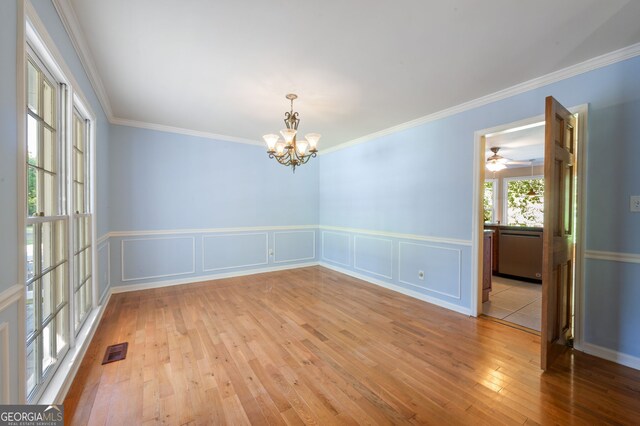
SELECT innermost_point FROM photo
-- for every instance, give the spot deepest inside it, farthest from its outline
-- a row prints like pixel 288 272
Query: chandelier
pixel 291 151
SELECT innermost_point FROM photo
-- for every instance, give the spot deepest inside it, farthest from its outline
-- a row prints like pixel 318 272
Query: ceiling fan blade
pixel 518 162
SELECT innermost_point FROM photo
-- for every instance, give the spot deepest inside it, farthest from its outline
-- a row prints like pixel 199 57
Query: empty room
pixel 281 212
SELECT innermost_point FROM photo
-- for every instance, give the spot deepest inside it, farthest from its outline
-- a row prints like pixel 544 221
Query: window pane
pixel 62 334
pixel 30 267
pixel 30 310
pixel 47 295
pixel 48 353
pixel 32 87
pixel 49 154
pixel 32 140
pixel 524 209
pixel 488 201
pixel 60 241
pixel 61 284
pixel 31 366
pixel 50 195
pixel 33 190
pixel 48 103
pixel 46 251
pixel 79 166
pixel 80 198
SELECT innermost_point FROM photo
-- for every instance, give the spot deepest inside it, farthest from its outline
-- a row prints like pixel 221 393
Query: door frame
pixel 477 226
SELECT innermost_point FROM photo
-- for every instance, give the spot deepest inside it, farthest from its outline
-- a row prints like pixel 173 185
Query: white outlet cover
pixel 634 204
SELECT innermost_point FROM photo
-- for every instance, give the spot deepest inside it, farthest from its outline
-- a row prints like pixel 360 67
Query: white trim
pixel 399 289
pixel 11 296
pixel 102 239
pixel 183 131
pixel 355 256
pixel 342 234
pixel 72 27
pixel 536 83
pixel 106 290
pixel 205 230
pixel 193 258
pixel 266 251
pixel 4 363
pixel 459 251
pixel 275 243
pixel 441 240
pixel 56 390
pixel 613 256
pixel 204 278
pixel 611 355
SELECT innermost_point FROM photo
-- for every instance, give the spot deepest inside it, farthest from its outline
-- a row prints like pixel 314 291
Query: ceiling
pixel 520 145
pixel 359 66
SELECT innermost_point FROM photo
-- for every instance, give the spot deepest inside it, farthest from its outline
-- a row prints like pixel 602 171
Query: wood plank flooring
pixel 312 346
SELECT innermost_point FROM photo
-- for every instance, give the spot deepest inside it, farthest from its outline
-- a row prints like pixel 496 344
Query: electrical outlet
pixel 635 203
pixel 421 275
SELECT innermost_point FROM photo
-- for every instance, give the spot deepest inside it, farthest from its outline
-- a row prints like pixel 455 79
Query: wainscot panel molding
pixel 11 296
pixel 405 291
pixel 397 235
pixel 14 295
pixel 104 270
pixel 611 355
pixel 303 244
pixel 147 261
pixel 208 230
pixel 613 256
pixel 5 371
pixel 440 266
pixel 234 251
pixel 373 253
pixel 341 243
pixel 203 278
pixel 103 238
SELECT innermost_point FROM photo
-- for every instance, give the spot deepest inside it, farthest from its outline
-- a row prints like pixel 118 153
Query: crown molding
pixel 571 71
pixel 72 26
pixel 182 131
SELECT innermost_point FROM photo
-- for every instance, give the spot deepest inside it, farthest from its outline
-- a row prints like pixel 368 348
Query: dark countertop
pixel 513 228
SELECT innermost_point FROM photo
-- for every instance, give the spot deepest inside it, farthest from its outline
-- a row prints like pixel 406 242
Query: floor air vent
pixel 115 353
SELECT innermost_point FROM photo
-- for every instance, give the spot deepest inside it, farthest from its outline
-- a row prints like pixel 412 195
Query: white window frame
pixel 505 190
pixel 494 202
pixel 33 34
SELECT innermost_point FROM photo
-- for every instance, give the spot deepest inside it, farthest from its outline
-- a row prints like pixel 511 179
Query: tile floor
pixel 515 301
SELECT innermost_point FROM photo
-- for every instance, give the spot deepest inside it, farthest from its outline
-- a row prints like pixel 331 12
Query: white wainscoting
pixel 278 237
pixel 178 271
pixel 346 246
pixel 4 362
pixel 436 269
pixel 243 249
pixel 106 244
pixel 389 256
pixel 13 295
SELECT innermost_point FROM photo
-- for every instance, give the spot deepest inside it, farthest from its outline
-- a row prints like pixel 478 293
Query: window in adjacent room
pixel 489 200
pixel 521 208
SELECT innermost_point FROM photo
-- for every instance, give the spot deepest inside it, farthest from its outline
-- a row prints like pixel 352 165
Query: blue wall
pixel 420 181
pixel 195 193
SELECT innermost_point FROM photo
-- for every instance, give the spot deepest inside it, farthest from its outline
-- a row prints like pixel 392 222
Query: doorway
pixel 515 279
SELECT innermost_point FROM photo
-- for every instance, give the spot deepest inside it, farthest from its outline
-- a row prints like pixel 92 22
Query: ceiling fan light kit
pixel 290 151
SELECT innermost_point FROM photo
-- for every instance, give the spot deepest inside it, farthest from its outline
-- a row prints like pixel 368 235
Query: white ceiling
pixel 521 145
pixel 359 66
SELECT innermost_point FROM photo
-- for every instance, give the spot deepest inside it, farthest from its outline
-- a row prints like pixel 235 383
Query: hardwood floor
pixel 317 347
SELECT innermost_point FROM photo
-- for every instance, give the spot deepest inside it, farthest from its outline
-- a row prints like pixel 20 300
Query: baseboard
pixel 611 355
pixel 394 287
pixel 57 389
pixel 201 278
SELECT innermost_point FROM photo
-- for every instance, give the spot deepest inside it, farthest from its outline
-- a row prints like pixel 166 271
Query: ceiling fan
pixel 497 162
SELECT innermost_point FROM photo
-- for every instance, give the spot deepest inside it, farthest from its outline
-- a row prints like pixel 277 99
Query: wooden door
pixel 559 231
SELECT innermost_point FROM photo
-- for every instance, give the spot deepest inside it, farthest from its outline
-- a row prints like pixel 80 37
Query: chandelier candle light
pixel 291 151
